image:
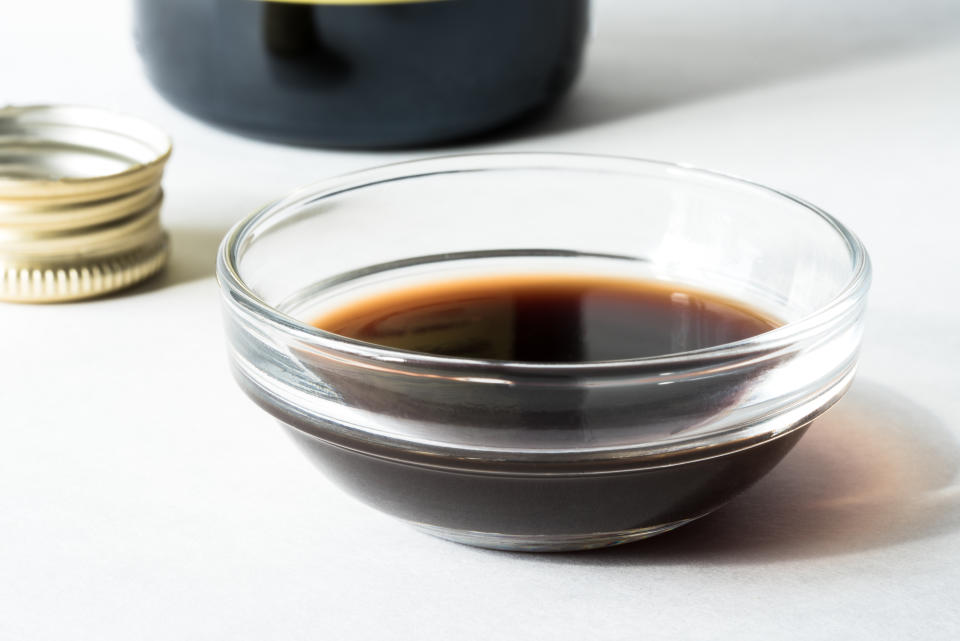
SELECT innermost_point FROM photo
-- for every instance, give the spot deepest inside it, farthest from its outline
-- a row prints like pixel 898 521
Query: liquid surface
pixel 546 318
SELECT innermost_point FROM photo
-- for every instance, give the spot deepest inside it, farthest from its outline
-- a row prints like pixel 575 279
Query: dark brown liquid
pixel 546 318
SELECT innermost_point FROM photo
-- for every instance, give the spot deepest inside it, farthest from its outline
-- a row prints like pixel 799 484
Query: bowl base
pixel 548 542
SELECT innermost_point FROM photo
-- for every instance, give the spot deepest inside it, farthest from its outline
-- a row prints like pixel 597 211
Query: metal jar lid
pixel 80 201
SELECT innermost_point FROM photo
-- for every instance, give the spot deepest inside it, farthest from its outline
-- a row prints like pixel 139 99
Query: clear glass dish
pixel 543 456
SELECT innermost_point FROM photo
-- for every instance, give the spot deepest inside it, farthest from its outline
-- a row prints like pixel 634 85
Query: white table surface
pixel 142 496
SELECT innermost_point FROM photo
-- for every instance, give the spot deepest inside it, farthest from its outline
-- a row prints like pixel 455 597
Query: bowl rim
pixel 235 289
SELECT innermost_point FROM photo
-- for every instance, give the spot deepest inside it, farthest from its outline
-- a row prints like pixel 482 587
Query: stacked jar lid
pixel 80 202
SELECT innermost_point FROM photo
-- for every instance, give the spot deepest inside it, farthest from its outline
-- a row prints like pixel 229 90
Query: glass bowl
pixel 539 455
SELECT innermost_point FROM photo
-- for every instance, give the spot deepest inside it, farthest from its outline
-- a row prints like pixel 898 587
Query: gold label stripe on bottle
pixel 344 2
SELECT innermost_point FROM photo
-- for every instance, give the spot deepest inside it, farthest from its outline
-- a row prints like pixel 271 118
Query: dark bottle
pixel 350 74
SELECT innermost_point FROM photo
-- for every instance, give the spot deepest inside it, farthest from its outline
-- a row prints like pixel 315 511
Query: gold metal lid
pixel 53 155
pixel 86 242
pixel 80 202
pixel 83 279
pixel 26 217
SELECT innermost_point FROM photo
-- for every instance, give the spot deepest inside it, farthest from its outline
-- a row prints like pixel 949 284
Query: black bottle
pixel 350 74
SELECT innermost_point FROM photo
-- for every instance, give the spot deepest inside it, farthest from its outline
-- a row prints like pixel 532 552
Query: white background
pixel 143 497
